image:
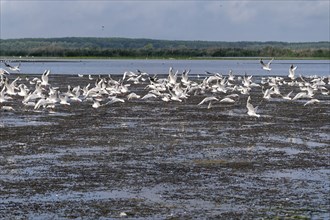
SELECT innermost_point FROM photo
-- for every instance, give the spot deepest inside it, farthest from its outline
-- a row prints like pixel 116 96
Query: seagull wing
pixel 227 100
pixel 3 71
pixel 268 64
pixel 207 99
pixel 249 106
pixel 8 65
pixel 262 62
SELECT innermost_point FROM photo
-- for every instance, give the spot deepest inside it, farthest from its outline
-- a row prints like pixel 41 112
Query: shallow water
pixel 156 160
pixel 197 67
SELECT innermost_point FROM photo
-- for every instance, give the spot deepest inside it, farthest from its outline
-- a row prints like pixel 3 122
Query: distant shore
pixel 126 48
pixel 78 59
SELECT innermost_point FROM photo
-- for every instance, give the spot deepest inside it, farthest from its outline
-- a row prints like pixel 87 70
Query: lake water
pixel 197 67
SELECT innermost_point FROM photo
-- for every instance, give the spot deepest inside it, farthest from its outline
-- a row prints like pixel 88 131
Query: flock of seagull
pixel 38 93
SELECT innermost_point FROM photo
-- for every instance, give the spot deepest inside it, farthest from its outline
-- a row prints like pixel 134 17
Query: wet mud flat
pixel 152 159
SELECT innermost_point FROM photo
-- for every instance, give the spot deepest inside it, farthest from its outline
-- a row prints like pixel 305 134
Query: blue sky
pixel 292 21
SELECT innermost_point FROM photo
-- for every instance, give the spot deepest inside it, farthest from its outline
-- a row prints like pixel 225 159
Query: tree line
pixel 148 48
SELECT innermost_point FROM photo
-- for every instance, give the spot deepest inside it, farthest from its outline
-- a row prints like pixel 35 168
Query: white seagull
pixel 227 100
pixel 291 71
pixel 42 102
pixel 251 110
pixel 13 68
pixel 3 97
pixel 172 77
pixel 287 96
pixel 149 95
pixel 312 101
pixel 96 104
pixel 266 66
pixel 114 99
pixel 7 108
pixel 44 78
pixel 64 100
pixel 133 96
pixel 208 99
pixel 3 72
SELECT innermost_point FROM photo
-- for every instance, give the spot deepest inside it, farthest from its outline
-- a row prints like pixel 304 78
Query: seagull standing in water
pixel 266 66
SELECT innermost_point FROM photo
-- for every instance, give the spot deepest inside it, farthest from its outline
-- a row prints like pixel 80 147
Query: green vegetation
pixel 142 48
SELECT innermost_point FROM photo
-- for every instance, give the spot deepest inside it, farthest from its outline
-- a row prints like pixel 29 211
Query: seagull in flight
pixel 208 99
pixel 266 66
pixel 291 71
pixel 13 68
pixel 3 72
pixel 251 110
pixel 44 78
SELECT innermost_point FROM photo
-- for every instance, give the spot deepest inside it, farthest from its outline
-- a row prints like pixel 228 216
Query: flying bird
pixel 227 100
pixel 266 66
pixel 312 101
pixel 13 68
pixel 45 78
pixel 208 99
pixel 251 110
pixel 291 71
pixel 3 72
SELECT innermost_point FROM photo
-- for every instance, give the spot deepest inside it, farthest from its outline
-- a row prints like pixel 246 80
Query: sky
pixel 207 20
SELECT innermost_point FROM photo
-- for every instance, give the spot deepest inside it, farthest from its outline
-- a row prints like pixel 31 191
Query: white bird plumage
pixel 266 66
pixel 13 68
pixel 251 110
pixel 4 72
pixel 44 78
pixel 208 99
pixel 292 71
pixel 107 90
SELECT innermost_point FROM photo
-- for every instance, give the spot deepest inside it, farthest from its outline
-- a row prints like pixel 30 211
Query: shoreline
pixel 79 59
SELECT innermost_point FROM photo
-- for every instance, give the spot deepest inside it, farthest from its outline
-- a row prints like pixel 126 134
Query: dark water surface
pixel 165 160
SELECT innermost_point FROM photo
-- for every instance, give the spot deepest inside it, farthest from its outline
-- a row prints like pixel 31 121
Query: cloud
pixel 240 11
pixel 180 20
